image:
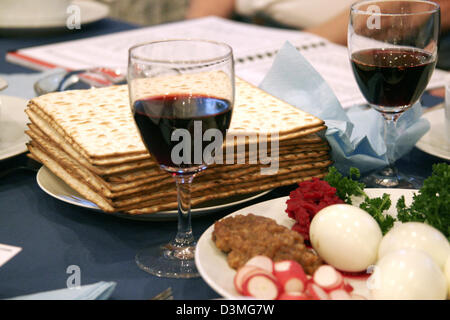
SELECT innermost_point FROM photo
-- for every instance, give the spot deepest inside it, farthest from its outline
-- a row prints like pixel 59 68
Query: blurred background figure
pixel 147 12
pixel 326 18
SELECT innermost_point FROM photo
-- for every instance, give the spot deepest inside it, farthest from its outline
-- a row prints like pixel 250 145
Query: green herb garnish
pixel 375 207
pixel 346 187
pixel 432 204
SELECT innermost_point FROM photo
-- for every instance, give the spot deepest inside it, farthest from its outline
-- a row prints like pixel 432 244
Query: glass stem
pixel 184 235
pixel 390 124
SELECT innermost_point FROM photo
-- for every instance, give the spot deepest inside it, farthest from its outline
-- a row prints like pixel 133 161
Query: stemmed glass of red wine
pixel 393 51
pixel 181 95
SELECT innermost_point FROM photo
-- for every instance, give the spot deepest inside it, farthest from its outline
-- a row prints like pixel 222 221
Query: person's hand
pixel 335 29
pixel 445 14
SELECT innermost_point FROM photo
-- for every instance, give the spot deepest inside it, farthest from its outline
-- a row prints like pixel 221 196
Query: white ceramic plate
pixel 90 11
pixel 58 189
pixel 434 141
pixel 212 263
pixel 13 123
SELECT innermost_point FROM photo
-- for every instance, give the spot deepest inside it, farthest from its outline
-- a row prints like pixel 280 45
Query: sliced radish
pixel 293 296
pixel 328 278
pixel 262 286
pixel 358 297
pixel 242 274
pixel 262 262
pixel 316 292
pixel 291 275
pixel 348 287
pixel 339 294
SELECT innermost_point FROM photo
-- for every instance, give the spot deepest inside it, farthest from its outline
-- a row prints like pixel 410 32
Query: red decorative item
pixel 308 199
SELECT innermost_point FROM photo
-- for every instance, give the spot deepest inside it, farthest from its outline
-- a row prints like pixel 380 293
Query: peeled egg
pixel 416 235
pixel 346 237
pixel 407 274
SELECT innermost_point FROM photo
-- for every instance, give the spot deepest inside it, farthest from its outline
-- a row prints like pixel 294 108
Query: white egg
pixel 407 274
pixel 416 235
pixel 346 237
pixel 447 275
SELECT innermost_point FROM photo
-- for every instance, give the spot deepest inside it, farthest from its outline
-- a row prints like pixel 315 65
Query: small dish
pixel 212 263
pixel 81 79
pixel 90 11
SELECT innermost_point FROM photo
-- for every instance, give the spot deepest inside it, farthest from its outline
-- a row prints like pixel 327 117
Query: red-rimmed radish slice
pixel 262 286
pixel 310 280
pixel 339 294
pixel 242 274
pixel 291 275
pixel 316 292
pixel 357 297
pixel 262 262
pixel 348 287
pixel 293 296
pixel 328 278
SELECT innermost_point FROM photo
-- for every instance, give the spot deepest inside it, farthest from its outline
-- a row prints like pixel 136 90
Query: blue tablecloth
pixel 55 235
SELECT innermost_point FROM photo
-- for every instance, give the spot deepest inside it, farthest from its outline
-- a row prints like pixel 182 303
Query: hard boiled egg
pixel 407 274
pixel 346 237
pixel 447 275
pixel 416 235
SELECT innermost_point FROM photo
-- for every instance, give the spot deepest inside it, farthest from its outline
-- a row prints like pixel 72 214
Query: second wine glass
pixel 393 51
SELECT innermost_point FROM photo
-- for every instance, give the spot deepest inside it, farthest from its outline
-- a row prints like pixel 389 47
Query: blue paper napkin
pixel 355 135
pixel 97 291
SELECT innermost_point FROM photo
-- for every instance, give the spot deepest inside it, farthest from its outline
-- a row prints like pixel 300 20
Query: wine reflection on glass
pixel 393 46
pixel 180 91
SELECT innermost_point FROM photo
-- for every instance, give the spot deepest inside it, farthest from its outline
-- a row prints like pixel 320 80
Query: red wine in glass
pixel 158 117
pixel 392 47
pixel 394 77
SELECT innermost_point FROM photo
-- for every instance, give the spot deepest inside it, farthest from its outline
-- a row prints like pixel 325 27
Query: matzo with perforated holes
pixel 99 121
pixel 258 111
pixel 100 124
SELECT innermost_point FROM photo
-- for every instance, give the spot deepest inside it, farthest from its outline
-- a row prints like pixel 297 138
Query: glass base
pixel 169 261
pixel 390 178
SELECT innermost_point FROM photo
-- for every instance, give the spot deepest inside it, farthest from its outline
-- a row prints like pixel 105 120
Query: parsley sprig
pixel 346 187
pixel 375 207
pixel 432 204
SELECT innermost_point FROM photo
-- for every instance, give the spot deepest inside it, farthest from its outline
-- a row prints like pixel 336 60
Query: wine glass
pixel 181 94
pixel 393 47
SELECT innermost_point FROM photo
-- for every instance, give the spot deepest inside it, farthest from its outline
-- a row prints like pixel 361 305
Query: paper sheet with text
pixel 254 49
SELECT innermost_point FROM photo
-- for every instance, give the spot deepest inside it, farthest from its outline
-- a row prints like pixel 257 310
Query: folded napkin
pixel 355 135
pixel 97 291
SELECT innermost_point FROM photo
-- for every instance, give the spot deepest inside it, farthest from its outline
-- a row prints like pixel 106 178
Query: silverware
pixel 80 79
pixel 165 295
pixel 108 76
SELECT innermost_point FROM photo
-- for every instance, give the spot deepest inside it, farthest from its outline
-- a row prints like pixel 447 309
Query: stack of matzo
pixel 88 139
